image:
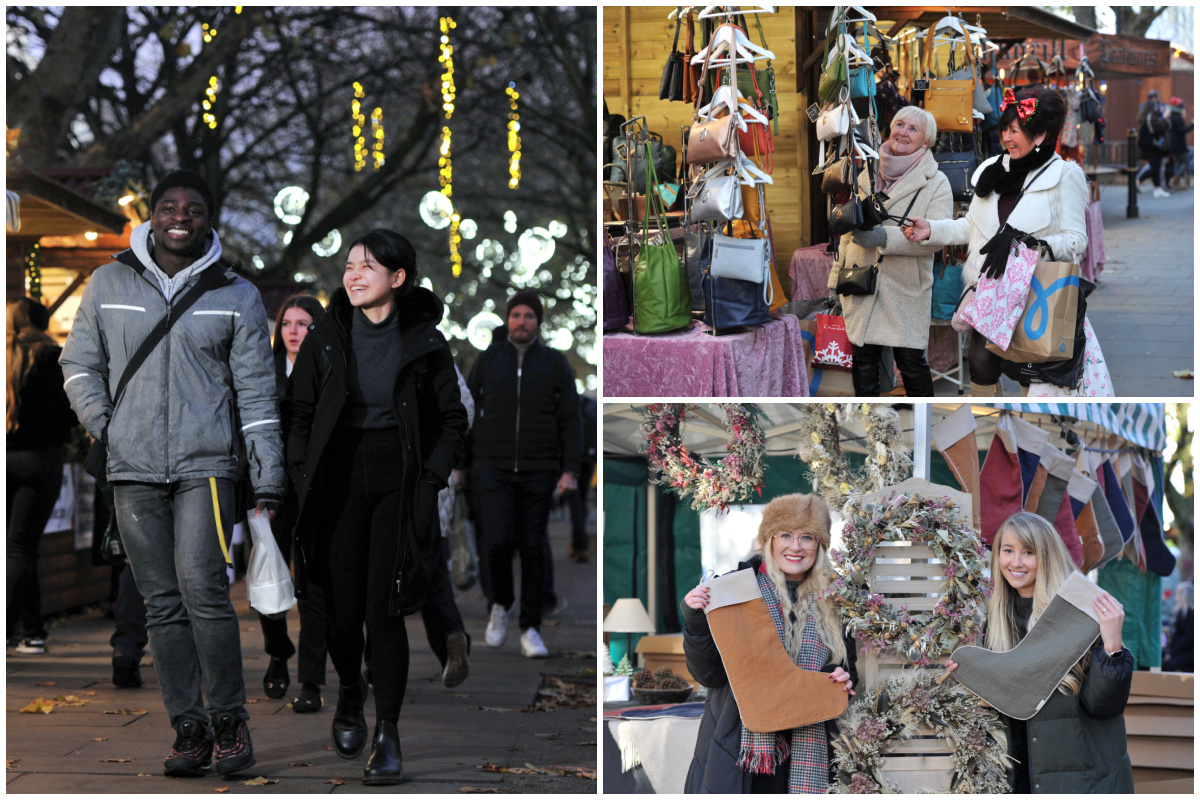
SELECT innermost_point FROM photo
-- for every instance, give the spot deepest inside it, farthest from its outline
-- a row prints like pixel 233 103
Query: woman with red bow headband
pixel 1029 193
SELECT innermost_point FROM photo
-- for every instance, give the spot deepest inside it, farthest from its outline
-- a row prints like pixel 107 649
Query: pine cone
pixel 644 680
pixel 672 682
pixel 662 673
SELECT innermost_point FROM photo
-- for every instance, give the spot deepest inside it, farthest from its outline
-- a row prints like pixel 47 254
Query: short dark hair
pixel 394 252
pixel 306 303
pixel 188 180
pixel 1047 118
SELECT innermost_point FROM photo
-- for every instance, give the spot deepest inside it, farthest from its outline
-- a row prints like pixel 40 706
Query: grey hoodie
pixel 206 389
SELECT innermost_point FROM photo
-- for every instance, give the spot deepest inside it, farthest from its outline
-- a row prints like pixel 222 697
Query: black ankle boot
pixel 349 723
pixel 384 766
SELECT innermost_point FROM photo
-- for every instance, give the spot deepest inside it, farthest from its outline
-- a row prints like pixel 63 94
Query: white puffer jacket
pixel 1052 209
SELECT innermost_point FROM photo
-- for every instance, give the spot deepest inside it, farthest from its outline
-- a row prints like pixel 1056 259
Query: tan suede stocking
pixel 772 693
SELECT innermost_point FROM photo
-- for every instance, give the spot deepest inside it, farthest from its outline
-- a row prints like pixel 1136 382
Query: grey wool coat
pixel 897 314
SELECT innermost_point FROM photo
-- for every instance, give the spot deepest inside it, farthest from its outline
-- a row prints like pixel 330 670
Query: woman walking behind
pixel 1177 141
pixel 1152 126
pixel 38 421
pixel 291 326
pixel 792 570
pixel 375 427
pixel 1080 730
pixel 897 314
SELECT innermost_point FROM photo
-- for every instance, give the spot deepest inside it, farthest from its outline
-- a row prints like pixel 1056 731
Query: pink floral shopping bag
pixel 998 302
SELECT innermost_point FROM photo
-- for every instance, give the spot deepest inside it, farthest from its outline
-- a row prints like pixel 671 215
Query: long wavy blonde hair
pixel 25 340
pixel 809 602
pixel 1054 566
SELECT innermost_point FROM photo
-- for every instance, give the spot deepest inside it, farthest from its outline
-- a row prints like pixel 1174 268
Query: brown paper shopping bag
pixel 1046 330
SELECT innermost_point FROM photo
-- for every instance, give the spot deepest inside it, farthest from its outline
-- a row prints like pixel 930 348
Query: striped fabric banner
pixel 1143 424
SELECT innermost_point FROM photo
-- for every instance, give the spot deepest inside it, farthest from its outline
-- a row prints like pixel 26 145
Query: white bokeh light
pixel 536 246
pixel 479 329
pixel 329 245
pixel 290 204
pixel 436 210
pixel 468 229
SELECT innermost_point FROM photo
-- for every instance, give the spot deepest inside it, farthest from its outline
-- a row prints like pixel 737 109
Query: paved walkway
pixel 1143 307
pixel 446 734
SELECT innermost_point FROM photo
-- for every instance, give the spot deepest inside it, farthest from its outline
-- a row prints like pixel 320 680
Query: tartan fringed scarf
pixel 806 746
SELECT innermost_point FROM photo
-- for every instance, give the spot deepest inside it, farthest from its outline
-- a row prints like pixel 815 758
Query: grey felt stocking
pixel 1019 682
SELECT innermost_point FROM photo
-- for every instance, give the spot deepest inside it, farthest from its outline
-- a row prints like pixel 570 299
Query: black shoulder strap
pixel 209 279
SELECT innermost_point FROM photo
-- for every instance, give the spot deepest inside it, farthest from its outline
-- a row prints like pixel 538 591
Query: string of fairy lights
pixel 33 266
pixel 359 122
pixel 445 162
pixel 514 137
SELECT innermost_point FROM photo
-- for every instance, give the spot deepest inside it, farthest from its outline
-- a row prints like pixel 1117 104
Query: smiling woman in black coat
pixel 374 430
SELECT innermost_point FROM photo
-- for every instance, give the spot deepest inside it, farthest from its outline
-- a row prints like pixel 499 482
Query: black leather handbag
pixel 846 216
pixel 858 279
pixel 958 168
pixel 731 303
pixel 671 87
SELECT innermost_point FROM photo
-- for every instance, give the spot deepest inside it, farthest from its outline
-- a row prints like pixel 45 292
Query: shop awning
pixel 1143 424
pixel 48 208
pixel 1109 56
pixel 1003 23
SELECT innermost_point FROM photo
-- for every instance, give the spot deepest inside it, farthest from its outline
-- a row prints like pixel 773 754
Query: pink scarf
pixel 893 168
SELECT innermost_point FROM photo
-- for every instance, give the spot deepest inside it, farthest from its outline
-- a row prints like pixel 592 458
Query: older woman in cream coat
pixel 1031 188
pixel 897 314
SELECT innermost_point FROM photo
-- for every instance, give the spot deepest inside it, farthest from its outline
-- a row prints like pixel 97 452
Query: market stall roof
pixel 1003 23
pixel 48 208
pixel 1143 424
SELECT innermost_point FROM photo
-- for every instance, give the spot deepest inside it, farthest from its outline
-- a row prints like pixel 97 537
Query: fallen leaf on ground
pixel 556 693
pixel 507 770
pixel 45 683
pixel 479 789
pixel 127 712
pixel 100 739
pixel 144 775
pixel 260 781
pixel 300 764
pixel 221 789
pixel 86 694
pixel 487 708
pixel 330 749
pixel 335 781
pixel 71 700
pixel 585 744
pixel 39 706
pixel 11 763
pixel 573 772
pixel 115 760
pixel 1184 373
pixel 251 702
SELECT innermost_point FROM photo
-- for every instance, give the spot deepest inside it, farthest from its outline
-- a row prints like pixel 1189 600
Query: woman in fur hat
pixel 793 569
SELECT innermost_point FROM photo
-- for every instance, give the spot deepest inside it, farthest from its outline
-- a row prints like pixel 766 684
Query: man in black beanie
pixel 525 443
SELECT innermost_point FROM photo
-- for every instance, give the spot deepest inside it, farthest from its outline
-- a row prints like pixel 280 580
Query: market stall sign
pixel 1110 56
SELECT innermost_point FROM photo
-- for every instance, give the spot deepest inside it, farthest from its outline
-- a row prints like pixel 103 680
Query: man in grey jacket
pixel 201 402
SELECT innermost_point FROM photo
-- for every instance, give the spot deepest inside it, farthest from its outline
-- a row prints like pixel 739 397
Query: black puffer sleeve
pixel 1106 683
pixel 700 650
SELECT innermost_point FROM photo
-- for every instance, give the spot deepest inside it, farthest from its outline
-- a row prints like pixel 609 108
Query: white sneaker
pixel 1161 192
pixel 497 627
pixel 532 645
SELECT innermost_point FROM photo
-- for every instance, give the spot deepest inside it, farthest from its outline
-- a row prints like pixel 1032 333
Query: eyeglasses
pixel 807 541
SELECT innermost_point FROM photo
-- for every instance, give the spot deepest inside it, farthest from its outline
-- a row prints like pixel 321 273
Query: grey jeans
pixel 170 535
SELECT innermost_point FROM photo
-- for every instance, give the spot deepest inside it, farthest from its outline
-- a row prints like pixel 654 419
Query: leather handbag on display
pixel 671 86
pixel 862 77
pixel 747 259
pixel 947 288
pixel 750 80
pixel 663 154
pixel 958 169
pixel 715 196
pixel 616 304
pixel 661 298
pixel 757 138
pixel 730 303
pixel 836 118
pixel 834 72
pixel 691 72
pixel 846 216
pixel 713 139
pixel 950 101
pixel 838 175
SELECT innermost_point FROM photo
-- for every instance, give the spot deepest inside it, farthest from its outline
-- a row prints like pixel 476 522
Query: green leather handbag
pixel 662 299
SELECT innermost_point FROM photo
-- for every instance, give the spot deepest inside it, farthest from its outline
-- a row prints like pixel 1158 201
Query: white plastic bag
pixel 268 581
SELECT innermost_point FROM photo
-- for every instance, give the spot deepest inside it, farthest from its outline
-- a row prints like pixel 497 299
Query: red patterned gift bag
pixel 833 345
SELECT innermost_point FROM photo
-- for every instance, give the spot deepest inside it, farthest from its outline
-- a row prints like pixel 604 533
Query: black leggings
pixel 918 380
pixel 985 365
pixel 362 481
pixel 34 478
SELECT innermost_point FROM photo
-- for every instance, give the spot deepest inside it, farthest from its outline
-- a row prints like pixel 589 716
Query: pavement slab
pixel 446 735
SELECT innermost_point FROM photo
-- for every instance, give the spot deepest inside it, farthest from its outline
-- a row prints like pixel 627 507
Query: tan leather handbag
pixel 950 101
pixel 716 139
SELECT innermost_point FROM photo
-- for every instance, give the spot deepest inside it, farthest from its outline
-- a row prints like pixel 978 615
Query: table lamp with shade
pixel 627 616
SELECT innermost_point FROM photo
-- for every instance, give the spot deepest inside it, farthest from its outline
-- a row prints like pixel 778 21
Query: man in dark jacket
pixel 526 442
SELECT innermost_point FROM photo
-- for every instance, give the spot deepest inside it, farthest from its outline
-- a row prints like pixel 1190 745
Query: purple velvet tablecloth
pixel 810 272
pixel 767 361
pixel 1093 258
